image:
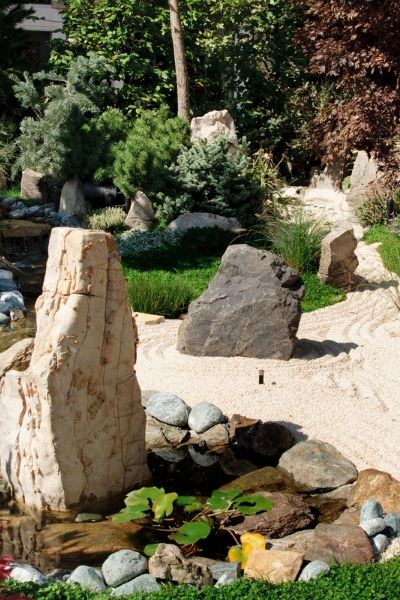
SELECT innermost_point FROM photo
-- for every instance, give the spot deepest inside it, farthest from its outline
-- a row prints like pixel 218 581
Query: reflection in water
pixel 51 541
pixel 18 330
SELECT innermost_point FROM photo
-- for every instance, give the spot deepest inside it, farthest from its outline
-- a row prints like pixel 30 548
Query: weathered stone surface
pixel 88 518
pixel 379 486
pixel 34 186
pixel 340 544
pixel 215 437
pixel 392 521
pixel 147 319
pixel 173 455
pixel 200 220
pixel 72 199
pixel 87 577
pixel 276 566
pixel 338 260
pixel 379 543
pixel 74 434
pixel 203 416
pixel 297 542
pixel 364 176
pixel 122 566
pixel 17 357
pixel 268 479
pixel 162 435
pixel 168 408
pixel 250 308
pixel 141 214
pixel 213 125
pixel 203 459
pixel 289 513
pixel 373 526
pixel 26 573
pixel 169 563
pixel 330 177
pixel 314 569
pixel 144 583
pixel 23 229
pixel 371 509
pixel 316 465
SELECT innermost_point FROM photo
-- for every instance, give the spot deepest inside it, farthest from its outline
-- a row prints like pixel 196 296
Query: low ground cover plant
pixel 111 219
pixel 344 582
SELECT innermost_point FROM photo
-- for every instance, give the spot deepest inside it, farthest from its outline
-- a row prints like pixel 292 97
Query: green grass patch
pixel 389 248
pixel 346 582
pixel 318 295
pixel 168 292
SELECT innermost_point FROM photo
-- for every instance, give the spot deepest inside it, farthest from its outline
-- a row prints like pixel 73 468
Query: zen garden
pixel 199 300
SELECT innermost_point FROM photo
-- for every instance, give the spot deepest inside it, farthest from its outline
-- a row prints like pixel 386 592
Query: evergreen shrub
pixel 207 178
pixel 152 145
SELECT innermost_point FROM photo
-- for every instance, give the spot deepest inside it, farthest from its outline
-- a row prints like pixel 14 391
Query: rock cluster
pixel 38 213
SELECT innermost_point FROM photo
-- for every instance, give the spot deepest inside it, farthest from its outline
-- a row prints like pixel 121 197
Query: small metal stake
pixel 260 376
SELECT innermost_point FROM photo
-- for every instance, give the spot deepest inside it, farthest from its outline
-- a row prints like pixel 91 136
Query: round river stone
pixel 203 416
pixel 168 408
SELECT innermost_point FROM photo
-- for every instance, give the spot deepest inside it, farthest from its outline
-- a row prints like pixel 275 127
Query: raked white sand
pixel 342 386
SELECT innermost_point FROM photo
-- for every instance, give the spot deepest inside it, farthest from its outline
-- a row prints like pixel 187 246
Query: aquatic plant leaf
pixel 146 493
pixel 137 503
pixel 190 533
pixel 196 506
pixel 250 541
pixel 150 549
pixel 164 505
pixel 222 499
pixel 125 517
pixel 235 554
pixel 185 500
pixel 252 504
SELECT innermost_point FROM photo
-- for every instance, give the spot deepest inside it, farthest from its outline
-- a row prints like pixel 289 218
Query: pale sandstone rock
pixel 16 358
pixel 213 125
pixel 376 485
pixel 72 432
pixel 169 563
pixel 277 566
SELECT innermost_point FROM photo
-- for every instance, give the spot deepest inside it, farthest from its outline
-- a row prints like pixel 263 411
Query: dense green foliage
pixel 389 248
pixel 208 178
pixel 297 240
pixel 13 39
pixel 358 582
pixel 239 54
pixel 55 140
pixel 153 143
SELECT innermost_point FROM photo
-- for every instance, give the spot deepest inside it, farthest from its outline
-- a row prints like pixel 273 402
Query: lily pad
pixel 252 504
pixel 164 505
pixel 222 499
pixel 190 533
pixel 150 549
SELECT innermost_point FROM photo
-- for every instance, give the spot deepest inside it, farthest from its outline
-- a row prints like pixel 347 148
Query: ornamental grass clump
pixel 111 219
pixel 298 241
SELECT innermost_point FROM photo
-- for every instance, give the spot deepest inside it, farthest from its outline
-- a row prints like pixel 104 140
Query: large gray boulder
pixel 72 199
pixel 251 308
pixel 201 220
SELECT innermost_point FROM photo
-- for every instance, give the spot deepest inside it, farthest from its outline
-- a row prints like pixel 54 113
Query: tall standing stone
pixel 213 125
pixel 34 186
pixel 251 308
pixel 338 260
pixel 72 428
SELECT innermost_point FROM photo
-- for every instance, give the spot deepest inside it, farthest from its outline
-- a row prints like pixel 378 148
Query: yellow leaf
pixel 256 540
pixel 235 554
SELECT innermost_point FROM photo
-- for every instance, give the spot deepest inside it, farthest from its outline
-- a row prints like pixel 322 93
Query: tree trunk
pixel 182 77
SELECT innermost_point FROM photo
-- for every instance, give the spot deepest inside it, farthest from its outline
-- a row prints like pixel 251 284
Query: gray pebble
pixel 27 573
pixel 392 521
pixel 371 509
pixel 88 518
pixel 4 319
pixel 204 416
pixel 4 274
pixel 373 526
pixel 203 460
pixel 379 543
pixel 314 569
pixel 7 285
pixel 17 213
pixel 87 577
pixel 226 579
pixel 168 408
pixel 143 583
pixel 122 566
